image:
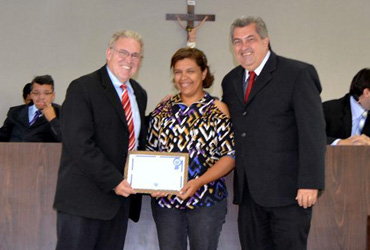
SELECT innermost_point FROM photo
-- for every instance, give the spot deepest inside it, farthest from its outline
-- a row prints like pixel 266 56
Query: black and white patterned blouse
pixel 201 130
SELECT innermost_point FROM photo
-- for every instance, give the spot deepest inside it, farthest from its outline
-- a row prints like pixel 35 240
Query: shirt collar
pixel 117 84
pixel 356 109
pixel 32 109
pixel 260 67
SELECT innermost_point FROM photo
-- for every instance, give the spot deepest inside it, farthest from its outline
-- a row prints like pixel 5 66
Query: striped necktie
pixel 361 124
pixel 35 117
pixel 128 112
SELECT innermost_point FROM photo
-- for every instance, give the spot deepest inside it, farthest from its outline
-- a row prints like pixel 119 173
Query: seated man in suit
pixel 347 120
pixel 27 93
pixel 37 121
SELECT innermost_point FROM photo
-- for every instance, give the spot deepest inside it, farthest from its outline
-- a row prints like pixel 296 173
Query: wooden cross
pixel 190 17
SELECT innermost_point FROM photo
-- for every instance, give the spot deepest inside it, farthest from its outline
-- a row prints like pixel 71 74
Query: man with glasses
pixel 103 119
pixel 37 121
pixel 26 93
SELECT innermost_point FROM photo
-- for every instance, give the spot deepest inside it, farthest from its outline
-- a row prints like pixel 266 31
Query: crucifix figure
pixel 190 17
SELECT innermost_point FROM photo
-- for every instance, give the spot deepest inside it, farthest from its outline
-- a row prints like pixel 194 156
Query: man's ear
pixel 108 53
pixel 366 92
pixel 266 41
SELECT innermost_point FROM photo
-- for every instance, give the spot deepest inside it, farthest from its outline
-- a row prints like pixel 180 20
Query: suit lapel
pixel 366 129
pixel 238 83
pixel 347 117
pixel 41 120
pixel 111 95
pixel 264 78
pixel 139 97
pixel 23 116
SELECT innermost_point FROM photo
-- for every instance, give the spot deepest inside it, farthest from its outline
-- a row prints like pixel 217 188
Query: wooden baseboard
pixel 368 232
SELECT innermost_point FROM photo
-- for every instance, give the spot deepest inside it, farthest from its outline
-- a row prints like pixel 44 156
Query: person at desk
pixel 37 121
pixel 26 93
pixel 347 119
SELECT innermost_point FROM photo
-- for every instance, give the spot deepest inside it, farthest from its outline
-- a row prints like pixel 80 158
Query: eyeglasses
pixel 41 93
pixel 123 54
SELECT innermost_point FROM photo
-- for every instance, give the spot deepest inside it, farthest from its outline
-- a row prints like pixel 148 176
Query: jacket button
pixel 243 134
pixel 245 113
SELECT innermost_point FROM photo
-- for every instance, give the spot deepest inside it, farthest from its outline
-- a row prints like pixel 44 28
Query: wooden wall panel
pixel 27 184
pixel 340 217
pixel 28 173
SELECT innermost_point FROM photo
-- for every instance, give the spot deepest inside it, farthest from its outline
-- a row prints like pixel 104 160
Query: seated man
pixel 27 93
pixel 347 120
pixel 37 121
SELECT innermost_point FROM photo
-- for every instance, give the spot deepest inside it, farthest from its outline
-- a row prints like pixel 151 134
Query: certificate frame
pixel 167 172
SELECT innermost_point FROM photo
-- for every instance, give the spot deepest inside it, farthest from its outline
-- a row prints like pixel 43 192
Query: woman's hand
pixel 189 189
pixel 158 194
pixel 220 169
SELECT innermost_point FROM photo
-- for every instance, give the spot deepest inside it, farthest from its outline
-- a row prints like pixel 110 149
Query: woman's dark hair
pixel 199 57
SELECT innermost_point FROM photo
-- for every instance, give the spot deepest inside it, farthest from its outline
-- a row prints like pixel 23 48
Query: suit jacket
pixel 279 132
pixel 95 147
pixel 16 127
pixel 338 118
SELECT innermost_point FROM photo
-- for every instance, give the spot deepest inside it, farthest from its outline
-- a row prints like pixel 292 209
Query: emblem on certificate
pixel 149 172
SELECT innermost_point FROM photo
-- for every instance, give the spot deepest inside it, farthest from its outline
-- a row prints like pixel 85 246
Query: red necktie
pixel 251 78
pixel 130 122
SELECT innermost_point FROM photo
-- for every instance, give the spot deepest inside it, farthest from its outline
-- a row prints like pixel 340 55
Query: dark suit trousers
pixel 77 233
pixel 273 228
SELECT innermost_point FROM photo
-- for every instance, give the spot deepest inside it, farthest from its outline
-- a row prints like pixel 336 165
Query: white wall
pixel 68 38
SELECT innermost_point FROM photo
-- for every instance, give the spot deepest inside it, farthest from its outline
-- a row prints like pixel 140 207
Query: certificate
pixel 149 172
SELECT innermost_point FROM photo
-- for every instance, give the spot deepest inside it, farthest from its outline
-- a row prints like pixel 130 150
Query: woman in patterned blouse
pixel 196 123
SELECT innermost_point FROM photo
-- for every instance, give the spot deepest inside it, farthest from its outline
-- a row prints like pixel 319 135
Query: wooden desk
pixel 28 173
pixel 340 217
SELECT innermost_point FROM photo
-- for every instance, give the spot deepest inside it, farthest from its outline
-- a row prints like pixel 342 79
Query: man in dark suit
pixel 37 121
pixel 279 141
pixel 26 93
pixel 343 116
pixel 92 198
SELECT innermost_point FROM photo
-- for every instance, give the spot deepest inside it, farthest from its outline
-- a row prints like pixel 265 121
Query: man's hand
pixel 356 140
pixel 306 197
pixel 124 189
pixel 49 112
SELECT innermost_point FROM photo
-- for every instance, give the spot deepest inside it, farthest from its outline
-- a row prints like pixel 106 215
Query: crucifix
pixel 190 17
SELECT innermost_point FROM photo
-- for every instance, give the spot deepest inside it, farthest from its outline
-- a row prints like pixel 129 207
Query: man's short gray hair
pixel 245 21
pixel 126 34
